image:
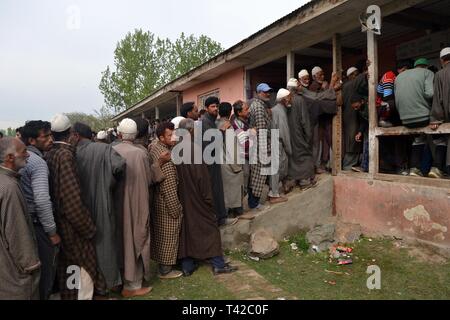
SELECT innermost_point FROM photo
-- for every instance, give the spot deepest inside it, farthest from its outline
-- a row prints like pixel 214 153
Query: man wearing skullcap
pixel 73 219
pixel 132 204
pixel 303 78
pixel 280 123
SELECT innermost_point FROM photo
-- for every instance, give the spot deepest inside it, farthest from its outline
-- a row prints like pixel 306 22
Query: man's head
pixel 142 128
pixel 445 56
pixel 189 111
pixel 403 65
pixel 19 133
pixel 421 63
pixel 102 136
pixel 164 132
pixel 13 154
pixel 284 97
pixel 38 134
pixel 225 109
pixel 352 73
pixel 61 128
pixel 292 84
pixel 303 77
pixel 241 109
pixel 318 74
pixel 80 131
pixel 264 91
pixel 127 130
pixel 212 106
pixel 188 124
pixel 357 102
pixel 1 134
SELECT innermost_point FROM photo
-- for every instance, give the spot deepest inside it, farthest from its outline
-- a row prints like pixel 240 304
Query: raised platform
pixel 303 211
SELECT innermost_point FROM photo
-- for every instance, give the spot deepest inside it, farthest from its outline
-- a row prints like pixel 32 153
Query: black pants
pixel 47 254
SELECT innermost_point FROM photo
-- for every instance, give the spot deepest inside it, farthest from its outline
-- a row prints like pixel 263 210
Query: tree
pixel 88 119
pixel 143 63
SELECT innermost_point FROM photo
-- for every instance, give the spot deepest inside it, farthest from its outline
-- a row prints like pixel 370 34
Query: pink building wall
pixel 395 209
pixel 230 86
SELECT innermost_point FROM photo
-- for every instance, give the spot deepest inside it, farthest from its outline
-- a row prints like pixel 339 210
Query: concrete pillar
pixel 372 54
pixel 290 63
pixel 337 120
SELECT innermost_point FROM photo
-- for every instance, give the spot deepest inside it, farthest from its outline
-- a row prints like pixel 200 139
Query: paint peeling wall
pixel 395 209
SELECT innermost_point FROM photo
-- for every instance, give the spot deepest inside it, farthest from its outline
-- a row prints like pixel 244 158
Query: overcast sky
pixel 52 52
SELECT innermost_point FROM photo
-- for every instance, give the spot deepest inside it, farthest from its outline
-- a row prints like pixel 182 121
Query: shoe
pixel 414 172
pixel 277 200
pixel 187 274
pixel 435 173
pixel 357 169
pixel 136 293
pixel 174 274
pixel 320 170
pixel 260 207
pixel 227 269
pixel 228 222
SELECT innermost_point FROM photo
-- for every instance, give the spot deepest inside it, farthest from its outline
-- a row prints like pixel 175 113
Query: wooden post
pixel 290 62
pixel 156 113
pixel 337 120
pixel 179 104
pixel 372 54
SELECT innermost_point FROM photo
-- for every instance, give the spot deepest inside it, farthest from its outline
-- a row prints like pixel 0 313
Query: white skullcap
pixel 293 83
pixel 176 121
pixel 127 126
pixel 60 123
pixel 445 52
pixel 303 73
pixel 351 70
pixel 282 93
pixel 102 135
pixel 316 70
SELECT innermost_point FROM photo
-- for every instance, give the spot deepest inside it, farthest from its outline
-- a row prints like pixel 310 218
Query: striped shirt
pixel 35 187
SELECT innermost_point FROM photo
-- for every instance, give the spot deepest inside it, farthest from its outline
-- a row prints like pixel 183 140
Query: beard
pixel 20 163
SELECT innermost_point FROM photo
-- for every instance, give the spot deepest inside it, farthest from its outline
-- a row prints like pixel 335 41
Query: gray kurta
pixel 280 122
pixel 232 174
pixel 135 209
pixel 302 118
pixel 440 111
pixel 99 167
pixel 19 260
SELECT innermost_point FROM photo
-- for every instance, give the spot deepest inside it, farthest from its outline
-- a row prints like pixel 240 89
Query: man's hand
pixel 358 137
pixel 434 126
pixel 55 239
pixel 164 158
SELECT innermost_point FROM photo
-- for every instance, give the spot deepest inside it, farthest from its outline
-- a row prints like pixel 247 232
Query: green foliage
pixel 96 123
pixel 301 242
pixel 143 63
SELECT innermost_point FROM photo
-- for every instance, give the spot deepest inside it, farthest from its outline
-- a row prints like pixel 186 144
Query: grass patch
pixel 402 277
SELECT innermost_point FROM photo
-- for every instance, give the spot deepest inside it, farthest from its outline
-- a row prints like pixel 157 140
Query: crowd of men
pixel 92 211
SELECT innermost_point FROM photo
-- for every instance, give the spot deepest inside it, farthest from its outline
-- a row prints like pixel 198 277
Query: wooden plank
pixel 337 120
pixel 403 131
pixel 290 65
pixel 372 54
